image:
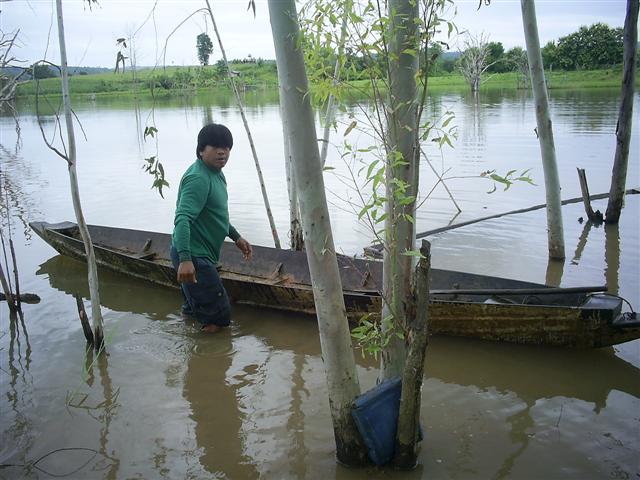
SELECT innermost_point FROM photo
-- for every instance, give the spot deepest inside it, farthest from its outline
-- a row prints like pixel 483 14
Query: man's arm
pixel 193 196
pixel 241 243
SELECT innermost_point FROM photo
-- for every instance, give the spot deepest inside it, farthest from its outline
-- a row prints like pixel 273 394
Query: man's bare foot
pixel 211 328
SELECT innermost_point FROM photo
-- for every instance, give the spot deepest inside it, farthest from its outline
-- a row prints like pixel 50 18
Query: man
pixel 200 226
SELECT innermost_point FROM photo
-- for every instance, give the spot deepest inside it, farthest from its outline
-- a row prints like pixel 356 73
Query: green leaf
pixel 371 167
pixel 407 200
pixel 150 131
pixel 351 126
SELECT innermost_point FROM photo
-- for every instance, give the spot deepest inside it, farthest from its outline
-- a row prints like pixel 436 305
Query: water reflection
pixel 582 242
pixel 104 410
pixel 533 375
pixel 612 257
pixel 588 375
pixel 555 269
pixel 15 203
pixel 18 438
pixel 215 409
pixel 117 292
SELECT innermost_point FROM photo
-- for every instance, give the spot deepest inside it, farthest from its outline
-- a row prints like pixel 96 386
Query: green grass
pixel 186 80
pixel 555 80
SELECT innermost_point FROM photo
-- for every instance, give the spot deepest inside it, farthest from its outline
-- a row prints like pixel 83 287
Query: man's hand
pixel 245 248
pixel 187 272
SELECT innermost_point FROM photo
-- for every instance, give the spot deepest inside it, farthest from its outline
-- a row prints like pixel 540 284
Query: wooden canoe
pixel 462 304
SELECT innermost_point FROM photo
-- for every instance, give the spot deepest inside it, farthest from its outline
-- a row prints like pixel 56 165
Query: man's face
pixel 215 157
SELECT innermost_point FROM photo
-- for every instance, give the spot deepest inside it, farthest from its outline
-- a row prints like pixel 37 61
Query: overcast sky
pixel 91 34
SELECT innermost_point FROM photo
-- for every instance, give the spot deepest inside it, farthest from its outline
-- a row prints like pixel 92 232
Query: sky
pixel 91 33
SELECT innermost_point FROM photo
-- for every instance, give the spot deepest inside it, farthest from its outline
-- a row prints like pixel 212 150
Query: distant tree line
pixel 590 48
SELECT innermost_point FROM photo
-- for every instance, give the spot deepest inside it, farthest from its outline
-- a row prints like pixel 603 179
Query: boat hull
pixel 280 279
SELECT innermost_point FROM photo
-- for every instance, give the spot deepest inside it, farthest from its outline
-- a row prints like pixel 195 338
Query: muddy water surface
pixel 168 402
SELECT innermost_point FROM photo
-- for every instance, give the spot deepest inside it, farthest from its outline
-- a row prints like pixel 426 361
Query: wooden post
pixel 84 321
pixel 409 416
pixel 595 217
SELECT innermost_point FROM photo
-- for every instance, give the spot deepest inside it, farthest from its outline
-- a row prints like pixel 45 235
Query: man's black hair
pixel 215 135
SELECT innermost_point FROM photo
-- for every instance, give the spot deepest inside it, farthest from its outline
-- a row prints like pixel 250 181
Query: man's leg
pixel 208 298
pixel 186 307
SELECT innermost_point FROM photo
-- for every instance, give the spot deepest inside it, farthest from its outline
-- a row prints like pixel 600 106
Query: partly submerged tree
pixel 340 368
pixel 475 60
pixel 623 129
pixel 71 158
pixel 544 131
pixel 396 55
pixel 204 47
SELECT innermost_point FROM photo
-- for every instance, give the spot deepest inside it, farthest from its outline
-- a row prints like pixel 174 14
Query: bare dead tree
pixel 9 83
pixel 474 60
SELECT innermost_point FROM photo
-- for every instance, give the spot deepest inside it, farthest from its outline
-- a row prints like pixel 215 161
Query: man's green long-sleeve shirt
pixel 202 216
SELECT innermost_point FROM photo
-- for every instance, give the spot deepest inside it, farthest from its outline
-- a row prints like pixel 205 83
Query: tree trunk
pixel 545 131
pixel 265 198
pixel 409 415
pixel 401 140
pixel 623 130
pixel 96 312
pixel 335 341
pixel 295 228
pixel 331 109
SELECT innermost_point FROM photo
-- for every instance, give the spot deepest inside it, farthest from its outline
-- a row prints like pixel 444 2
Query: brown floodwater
pixel 169 402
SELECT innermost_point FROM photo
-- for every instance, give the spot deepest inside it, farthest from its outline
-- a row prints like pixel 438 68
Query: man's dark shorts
pixel 206 300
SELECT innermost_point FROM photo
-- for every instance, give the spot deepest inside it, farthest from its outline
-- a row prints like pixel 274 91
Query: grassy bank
pixel 181 80
pixel 169 81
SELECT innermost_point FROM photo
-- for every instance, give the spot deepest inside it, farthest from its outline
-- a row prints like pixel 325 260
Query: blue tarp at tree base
pixel 376 415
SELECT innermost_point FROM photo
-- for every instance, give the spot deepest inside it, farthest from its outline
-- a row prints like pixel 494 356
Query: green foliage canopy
pixel 41 71
pixel 589 48
pixel 205 48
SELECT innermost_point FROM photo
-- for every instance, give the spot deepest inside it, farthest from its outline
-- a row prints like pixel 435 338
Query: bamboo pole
pixel 272 224
pixel 96 312
pixel 584 188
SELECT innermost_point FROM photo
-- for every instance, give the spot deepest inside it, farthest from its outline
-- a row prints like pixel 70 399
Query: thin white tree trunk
pixel 625 116
pixel 340 368
pixel 295 226
pixel 331 108
pixel 94 292
pixel 545 131
pixel 402 138
pixel 272 224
